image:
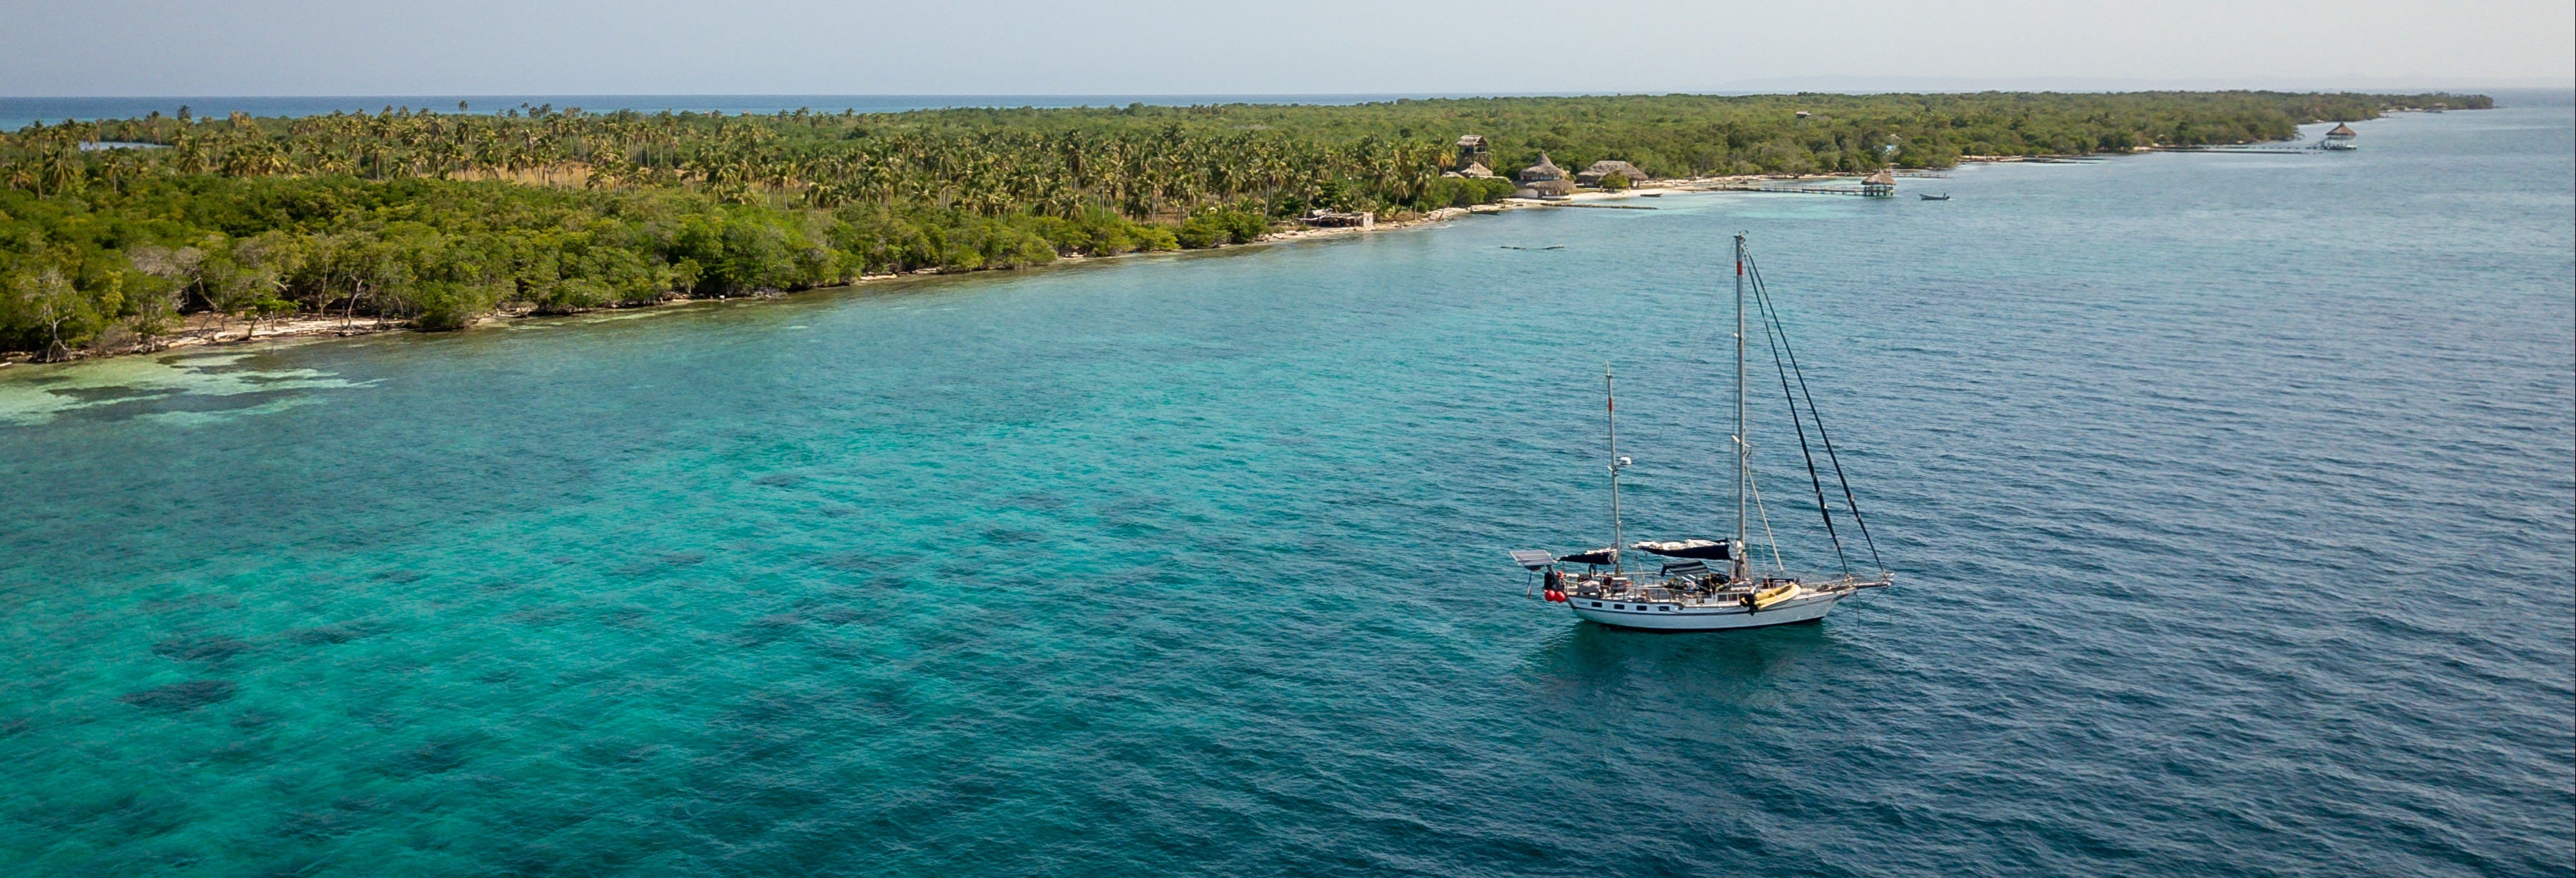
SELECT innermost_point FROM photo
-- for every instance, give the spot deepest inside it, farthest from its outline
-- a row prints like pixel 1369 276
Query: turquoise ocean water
pixel 2233 501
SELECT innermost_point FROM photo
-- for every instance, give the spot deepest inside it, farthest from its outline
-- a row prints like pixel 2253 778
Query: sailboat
pixel 1685 593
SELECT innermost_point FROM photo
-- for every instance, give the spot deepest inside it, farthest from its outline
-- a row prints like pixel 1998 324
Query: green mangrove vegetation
pixel 114 233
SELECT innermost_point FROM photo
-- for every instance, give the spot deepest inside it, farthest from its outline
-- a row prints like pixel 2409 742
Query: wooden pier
pixel 2241 150
pixel 1799 190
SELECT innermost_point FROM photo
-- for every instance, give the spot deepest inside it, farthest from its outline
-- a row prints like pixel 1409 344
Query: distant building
pixel 1592 176
pixel 1472 153
pixel 1879 185
pixel 1333 218
pixel 1476 170
pixel 2341 138
pixel 1804 114
pixel 1544 180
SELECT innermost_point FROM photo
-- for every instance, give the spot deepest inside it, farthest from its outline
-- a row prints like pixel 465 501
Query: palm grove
pixel 438 218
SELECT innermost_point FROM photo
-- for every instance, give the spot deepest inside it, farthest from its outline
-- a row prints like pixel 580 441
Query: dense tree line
pixel 437 218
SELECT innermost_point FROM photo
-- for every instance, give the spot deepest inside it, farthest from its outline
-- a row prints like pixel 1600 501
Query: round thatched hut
pixel 2340 139
pixel 1544 180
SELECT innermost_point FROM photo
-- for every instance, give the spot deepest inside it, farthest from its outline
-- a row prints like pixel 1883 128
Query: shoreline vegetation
pixel 135 235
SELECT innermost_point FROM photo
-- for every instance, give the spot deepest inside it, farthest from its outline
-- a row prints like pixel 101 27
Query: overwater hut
pixel 1879 185
pixel 1544 180
pixel 1601 170
pixel 2340 138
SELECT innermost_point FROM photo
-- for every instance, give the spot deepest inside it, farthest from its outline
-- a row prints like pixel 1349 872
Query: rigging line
pixel 1767 535
pixel 1849 501
pixel 1762 510
pixel 1770 332
pixel 1771 315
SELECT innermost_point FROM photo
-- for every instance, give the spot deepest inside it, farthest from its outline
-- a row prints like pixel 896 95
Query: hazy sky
pixel 343 47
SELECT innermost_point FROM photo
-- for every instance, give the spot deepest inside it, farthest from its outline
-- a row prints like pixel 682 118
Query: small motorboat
pixel 1931 197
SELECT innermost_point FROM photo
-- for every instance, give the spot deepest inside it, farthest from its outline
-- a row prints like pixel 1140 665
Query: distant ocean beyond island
pixel 16 113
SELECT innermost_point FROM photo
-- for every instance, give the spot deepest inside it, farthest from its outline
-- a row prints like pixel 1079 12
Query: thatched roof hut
pixel 1544 170
pixel 1545 189
pixel 2343 130
pixel 1476 170
pixel 1471 153
pixel 1600 170
pixel 1544 180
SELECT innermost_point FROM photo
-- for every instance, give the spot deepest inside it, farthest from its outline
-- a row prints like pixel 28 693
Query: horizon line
pixel 1733 90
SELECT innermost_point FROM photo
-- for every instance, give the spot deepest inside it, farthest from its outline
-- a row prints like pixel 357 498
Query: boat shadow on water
pixel 1589 657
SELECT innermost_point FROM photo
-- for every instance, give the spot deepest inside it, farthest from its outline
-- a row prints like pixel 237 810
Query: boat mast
pixel 1743 447
pixel 1609 392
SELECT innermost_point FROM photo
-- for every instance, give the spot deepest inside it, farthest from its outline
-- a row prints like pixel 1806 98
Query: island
pixel 122 235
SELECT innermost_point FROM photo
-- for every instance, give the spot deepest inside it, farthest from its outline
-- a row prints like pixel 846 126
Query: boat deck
pixel 1702 590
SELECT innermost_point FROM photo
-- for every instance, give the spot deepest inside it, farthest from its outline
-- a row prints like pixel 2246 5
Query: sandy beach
pixel 206 329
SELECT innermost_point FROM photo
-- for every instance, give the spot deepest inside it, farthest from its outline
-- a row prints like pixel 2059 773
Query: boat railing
pixel 1704 589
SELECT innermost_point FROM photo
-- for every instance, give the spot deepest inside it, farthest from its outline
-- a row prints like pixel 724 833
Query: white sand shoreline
pixel 207 330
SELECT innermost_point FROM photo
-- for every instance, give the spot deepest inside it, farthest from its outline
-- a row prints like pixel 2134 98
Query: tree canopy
pixel 110 229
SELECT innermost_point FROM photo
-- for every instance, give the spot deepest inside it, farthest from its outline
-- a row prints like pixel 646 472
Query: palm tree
pixel 256 159
pixel 59 168
pixel 119 168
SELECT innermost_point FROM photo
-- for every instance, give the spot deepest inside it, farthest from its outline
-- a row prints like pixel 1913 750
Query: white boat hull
pixel 1685 617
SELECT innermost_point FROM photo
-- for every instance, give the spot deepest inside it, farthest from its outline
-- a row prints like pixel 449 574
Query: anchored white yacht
pixel 1684 593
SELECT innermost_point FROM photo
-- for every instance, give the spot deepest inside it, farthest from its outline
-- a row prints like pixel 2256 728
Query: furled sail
pixel 1605 555
pixel 1706 550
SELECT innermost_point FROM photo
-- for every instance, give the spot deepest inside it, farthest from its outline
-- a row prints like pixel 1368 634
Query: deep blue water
pixel 2233 501
pixel 17 112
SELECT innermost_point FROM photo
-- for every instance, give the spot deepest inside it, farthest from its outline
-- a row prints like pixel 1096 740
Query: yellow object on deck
pixel 1765 598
